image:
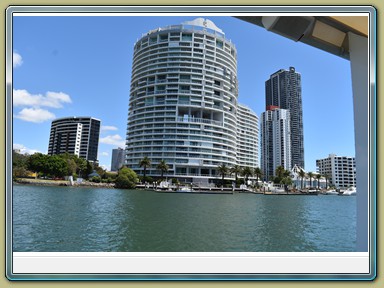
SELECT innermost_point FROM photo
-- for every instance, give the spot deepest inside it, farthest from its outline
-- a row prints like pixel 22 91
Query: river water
pixel 69 219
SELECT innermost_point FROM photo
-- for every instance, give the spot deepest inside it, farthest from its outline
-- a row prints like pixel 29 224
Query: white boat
pixel 184 190
pixel 332 192
pixel 350 191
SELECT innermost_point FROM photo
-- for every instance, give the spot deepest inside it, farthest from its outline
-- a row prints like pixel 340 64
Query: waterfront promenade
pixel 171 189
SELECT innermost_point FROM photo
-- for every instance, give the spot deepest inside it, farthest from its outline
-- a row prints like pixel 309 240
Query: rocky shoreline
pixel 44 182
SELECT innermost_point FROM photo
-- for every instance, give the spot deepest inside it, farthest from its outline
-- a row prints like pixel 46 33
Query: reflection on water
pixel 84 219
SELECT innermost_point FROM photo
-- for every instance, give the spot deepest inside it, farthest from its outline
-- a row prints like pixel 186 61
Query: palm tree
pixel 145 163
pixel 223 170
pixel 326 176
pixel 318 176
pixel 235 170
pixel 286 181
pixel 310 175
pixel 163 167
pixel 246 172
pixel 279 172
pixel 302 175
pixel 287 173
pixel 258 173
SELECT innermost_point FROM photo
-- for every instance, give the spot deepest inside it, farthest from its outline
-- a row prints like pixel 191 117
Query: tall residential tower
pixel 75 135
pixel 283 90
pixel 247 137
pixel 275 140
pixel 183 101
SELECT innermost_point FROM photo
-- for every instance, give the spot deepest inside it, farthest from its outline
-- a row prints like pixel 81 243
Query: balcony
pixel 199 120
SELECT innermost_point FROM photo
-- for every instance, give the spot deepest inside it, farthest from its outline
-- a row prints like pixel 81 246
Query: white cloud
pixel 115 140
pixel 108 128
pixel 104 154
pixel 51 99
pixel 35 115
pixel 17 60
pixel 24 149
pixel 54 99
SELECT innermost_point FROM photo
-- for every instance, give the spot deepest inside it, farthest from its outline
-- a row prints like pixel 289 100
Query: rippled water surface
pixel 87 219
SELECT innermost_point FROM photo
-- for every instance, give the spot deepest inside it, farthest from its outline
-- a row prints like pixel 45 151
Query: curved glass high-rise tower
pixel 183 101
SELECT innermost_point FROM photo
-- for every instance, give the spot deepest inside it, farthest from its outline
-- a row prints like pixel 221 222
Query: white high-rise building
pixel 183 101
pixel 248 137
pixel 275 144
pixel 340 170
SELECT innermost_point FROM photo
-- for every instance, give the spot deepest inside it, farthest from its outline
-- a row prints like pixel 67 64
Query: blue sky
pixel 81 66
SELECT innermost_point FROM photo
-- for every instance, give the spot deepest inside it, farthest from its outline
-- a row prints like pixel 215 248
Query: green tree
pixel 19 160
pixel 326 176
pixel 81 166
pixel 126 179
pixel 258 173
pixel 56 166
pixel 75 164
pixel 19 172
pixel 223 171
pixel 145 163
pixel 286 181
pixel 163 167
pixel 88 170
pixel 318 177
pixel 72 167
pixel 96 179
pixel 19 164
pixel 310 175
pixel 246 172
pixel 280 172
pixel 38 163
pixel 99 170
pixel 236 170
pixel 302 176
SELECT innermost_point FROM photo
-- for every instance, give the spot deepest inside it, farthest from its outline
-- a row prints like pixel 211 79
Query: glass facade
pixel 283 89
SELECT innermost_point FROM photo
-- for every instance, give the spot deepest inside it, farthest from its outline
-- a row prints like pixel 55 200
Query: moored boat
pixel 351 191
pixel 331 192
pixel 184 190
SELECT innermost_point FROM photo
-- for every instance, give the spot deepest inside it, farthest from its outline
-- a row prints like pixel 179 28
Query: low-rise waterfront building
pixel 300 182
pixel 340 170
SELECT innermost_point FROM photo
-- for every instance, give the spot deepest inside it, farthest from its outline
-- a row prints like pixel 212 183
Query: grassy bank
pixel 46 182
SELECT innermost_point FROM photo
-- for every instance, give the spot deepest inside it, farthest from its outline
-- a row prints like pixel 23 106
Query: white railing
pixel 199 120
